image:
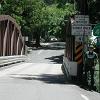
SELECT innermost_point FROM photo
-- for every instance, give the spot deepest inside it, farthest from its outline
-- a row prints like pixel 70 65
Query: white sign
pixel 78 38
pixel 81 16
pixel 81 19
pixel 81 30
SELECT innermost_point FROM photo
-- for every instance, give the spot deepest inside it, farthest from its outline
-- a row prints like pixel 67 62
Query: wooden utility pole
pixel 82 8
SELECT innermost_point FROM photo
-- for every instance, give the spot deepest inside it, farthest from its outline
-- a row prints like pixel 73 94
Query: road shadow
pixel 43 48
pixel 56 59
pixel 46 78
pixel 47 48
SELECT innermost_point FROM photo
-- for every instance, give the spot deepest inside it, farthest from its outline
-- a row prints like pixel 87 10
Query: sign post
pixel 99 68
pixel 98 44
pixel 96 32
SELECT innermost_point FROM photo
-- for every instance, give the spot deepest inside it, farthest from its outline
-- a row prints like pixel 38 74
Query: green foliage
pixel 39 17
pixel 94 11
pixel 90 7
pixel 56 18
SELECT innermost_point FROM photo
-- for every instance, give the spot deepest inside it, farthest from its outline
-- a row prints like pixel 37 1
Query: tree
pixel 28 13
pixel 89 7
pixel 56 19
pixel 94 11
pixel 38 18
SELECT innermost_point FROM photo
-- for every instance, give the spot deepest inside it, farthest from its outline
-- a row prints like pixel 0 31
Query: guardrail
pixel 7 60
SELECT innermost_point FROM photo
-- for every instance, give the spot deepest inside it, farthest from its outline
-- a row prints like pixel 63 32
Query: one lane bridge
pixel 11 40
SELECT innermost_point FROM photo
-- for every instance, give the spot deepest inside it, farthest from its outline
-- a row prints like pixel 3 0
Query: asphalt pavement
pixel 51 53
pixel 40 78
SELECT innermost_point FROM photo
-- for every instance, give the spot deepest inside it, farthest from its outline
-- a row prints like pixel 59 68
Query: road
pixel 51 54
pixel 40 78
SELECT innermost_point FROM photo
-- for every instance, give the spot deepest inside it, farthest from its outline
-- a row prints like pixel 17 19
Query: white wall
pixel 70 67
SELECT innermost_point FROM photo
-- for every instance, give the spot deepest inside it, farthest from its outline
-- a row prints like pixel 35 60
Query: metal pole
pixel 99 68
pixel 98 61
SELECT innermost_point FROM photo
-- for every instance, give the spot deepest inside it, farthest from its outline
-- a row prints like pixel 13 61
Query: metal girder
pixel 11 40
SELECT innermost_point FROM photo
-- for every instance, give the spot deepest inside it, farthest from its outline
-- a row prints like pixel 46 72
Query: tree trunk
pixel 82 6
pixel 37 40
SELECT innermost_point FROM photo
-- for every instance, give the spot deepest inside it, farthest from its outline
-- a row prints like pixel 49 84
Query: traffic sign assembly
pixel 81 25
pixel 81 19
pixel 81 30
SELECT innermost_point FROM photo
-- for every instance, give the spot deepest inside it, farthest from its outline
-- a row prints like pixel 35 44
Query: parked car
pixel 53 39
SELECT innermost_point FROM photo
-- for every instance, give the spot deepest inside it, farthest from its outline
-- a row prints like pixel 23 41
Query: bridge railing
pixel 11 40
pixel 7 60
